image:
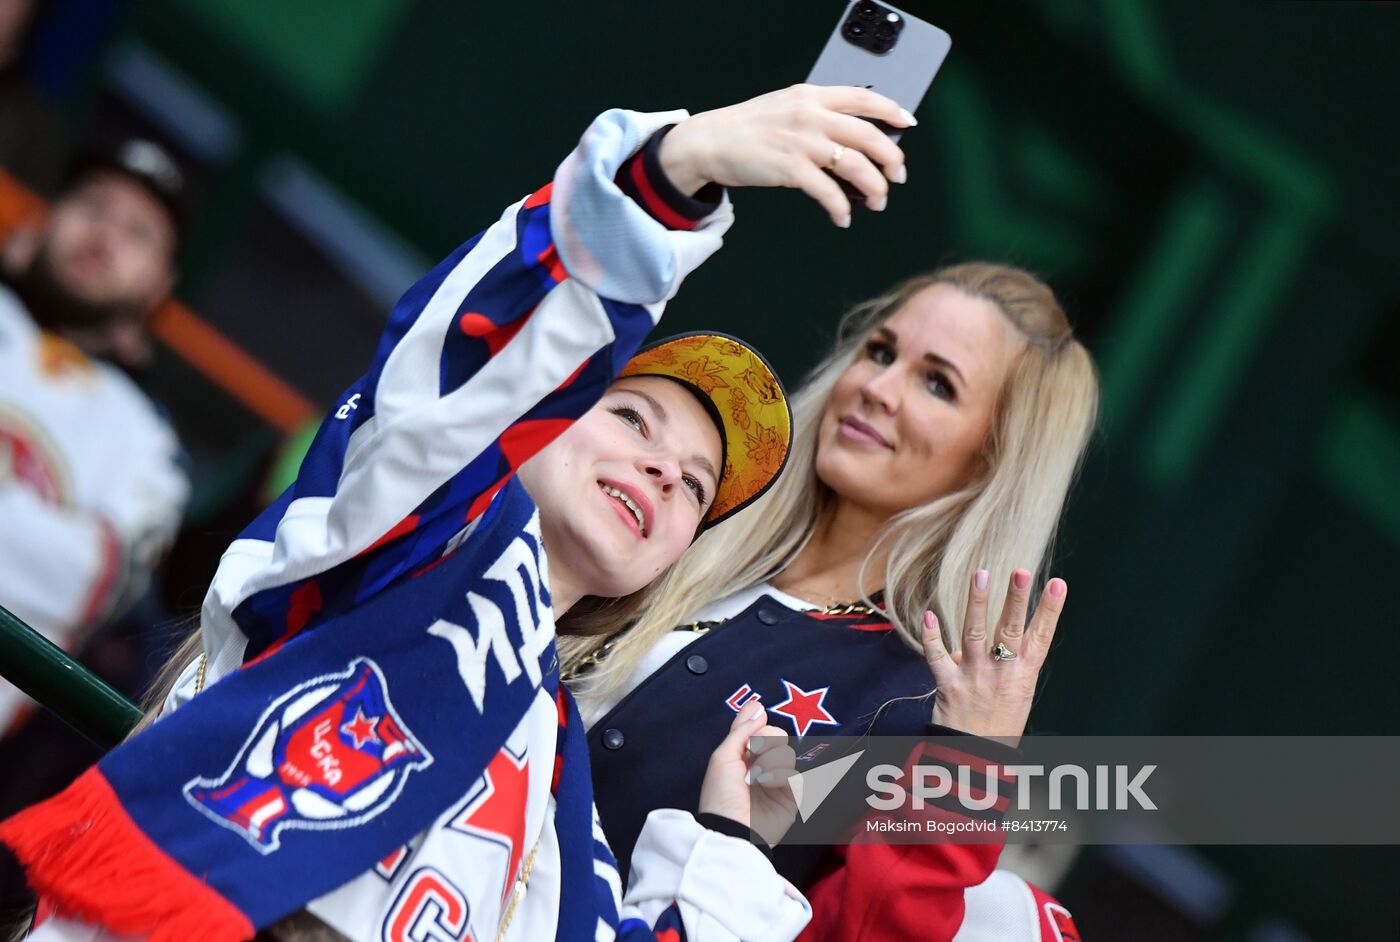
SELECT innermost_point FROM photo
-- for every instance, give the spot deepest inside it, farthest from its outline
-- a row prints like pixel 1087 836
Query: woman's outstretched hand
pixel 977 692
pixel 788 138
pixel 747 781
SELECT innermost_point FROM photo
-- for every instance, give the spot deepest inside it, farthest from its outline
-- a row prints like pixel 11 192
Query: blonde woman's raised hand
pixel 788 138
pixel 986 689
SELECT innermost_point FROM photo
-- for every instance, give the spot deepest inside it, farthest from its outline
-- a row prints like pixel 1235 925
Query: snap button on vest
pixel 767 616
pixel 613 739
pixel 696 664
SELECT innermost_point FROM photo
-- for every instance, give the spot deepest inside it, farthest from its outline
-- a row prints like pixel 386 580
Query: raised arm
pixel 515 335
pixel 482 363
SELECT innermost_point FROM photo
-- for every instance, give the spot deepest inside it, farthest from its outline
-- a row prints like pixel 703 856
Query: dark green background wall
pixel 1211 186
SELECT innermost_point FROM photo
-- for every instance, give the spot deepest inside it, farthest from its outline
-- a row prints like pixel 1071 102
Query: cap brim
pixel 748 401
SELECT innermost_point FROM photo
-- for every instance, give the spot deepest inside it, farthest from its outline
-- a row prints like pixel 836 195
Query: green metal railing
pixel 62 685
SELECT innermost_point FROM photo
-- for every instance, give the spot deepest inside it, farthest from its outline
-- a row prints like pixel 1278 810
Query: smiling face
pixel 623 490
pixel 906 421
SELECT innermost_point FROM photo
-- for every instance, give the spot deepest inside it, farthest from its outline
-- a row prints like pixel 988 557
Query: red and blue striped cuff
pixel 642 179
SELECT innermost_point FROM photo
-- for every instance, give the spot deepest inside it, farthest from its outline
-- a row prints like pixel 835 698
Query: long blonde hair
pixel 1004 518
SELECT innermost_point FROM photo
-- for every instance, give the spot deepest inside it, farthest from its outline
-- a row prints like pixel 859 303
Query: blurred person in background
pixel 33 139
pixel 91 486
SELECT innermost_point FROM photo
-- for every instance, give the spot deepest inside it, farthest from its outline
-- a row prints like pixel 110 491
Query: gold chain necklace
pixel 847 608
pixel 521 882
pixel 591 660
pixel 597 656
pixel 830 604
pixel 825 603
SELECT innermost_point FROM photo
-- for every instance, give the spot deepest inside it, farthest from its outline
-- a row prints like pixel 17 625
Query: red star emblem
pixel 496 812
pixel 804 708
pixel 361 728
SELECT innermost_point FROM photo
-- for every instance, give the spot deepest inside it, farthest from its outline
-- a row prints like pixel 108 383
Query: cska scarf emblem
pixel 329 753
pixel 299 772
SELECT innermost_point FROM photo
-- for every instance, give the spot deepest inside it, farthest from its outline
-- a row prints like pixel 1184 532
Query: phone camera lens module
pixel 872 27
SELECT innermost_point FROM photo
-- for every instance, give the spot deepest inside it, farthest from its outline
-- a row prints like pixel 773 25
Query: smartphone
pixel 883 48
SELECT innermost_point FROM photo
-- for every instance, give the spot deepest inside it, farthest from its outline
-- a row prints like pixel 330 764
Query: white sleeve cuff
pixel 607 241
pixel 726 887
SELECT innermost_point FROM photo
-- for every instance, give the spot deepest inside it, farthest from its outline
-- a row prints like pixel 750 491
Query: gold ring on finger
pixel 1002 653
pixel 835 156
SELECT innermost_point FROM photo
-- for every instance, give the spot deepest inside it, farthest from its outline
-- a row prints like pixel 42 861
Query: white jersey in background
pixel 91 491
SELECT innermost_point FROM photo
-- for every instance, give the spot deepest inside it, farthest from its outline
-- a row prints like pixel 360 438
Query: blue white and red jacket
pixel 409 485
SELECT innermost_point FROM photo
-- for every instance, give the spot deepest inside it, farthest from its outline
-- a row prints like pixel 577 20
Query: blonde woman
pixel 933 451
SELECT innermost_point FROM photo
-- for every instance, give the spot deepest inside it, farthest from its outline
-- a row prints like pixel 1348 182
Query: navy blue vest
pixel 819 675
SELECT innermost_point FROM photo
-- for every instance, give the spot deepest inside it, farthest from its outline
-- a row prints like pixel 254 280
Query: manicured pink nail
pixel 1057 587
pixel 1020 578
pixel 979 579
pixel 930 621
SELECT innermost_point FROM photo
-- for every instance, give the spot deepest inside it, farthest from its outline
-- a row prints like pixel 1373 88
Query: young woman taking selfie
pixel 373 730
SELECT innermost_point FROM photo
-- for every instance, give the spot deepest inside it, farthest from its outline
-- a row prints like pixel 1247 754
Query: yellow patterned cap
pixel 743 396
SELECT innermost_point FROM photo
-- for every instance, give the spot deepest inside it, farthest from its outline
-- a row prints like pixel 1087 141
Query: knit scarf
pixel 297 773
